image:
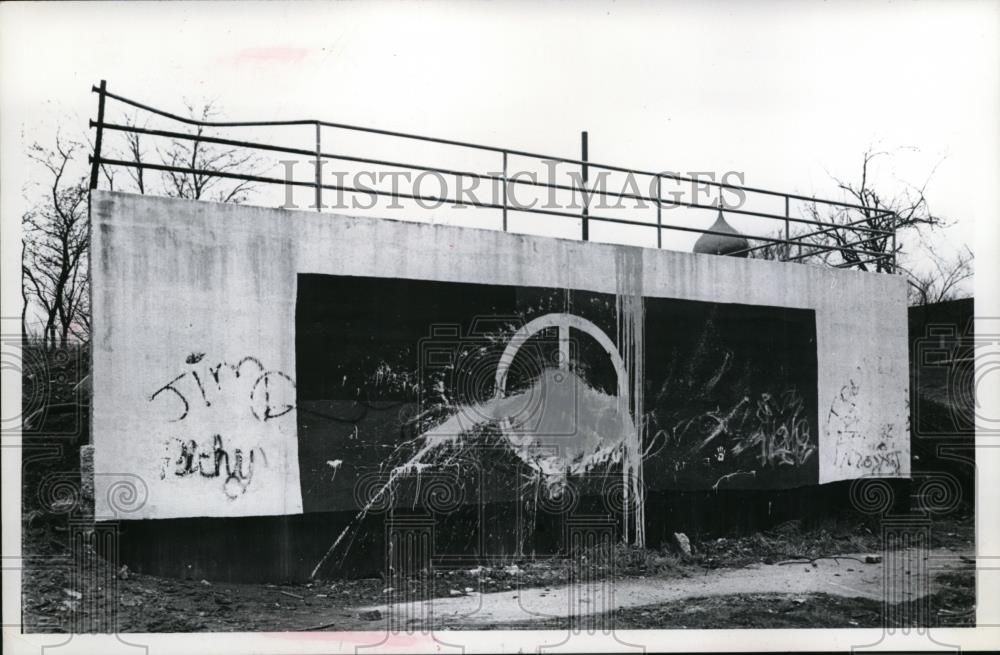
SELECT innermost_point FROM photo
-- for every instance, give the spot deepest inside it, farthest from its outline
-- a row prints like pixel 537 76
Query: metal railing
pixel 863 243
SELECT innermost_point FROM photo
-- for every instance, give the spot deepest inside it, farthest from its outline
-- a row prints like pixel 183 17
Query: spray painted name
pixel 216 462
pixel 271 392
pixel 212 398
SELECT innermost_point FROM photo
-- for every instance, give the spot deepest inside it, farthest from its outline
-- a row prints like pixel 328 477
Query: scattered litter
pixel 455 592
pixel 683 543
pixel 476 571
pixel 123 572
pixel 513 569
pixel 469 590
pixel 388 590
pixel 288 593
pixel 321 596
pixel 206 583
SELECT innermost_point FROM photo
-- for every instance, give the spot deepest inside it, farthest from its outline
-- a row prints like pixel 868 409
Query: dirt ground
pixel 60 595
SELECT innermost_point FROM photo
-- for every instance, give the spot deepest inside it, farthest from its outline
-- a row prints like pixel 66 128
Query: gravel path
pixel 902 575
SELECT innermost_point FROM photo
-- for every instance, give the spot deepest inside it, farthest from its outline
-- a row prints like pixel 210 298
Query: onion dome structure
pixel 717 244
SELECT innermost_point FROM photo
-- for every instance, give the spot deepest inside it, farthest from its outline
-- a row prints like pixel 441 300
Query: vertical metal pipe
pixel 659 215
pixel 586 203
pixel 319 170
pixel 788 246
pixel 95 161
pixel 504 190
pixel 893 258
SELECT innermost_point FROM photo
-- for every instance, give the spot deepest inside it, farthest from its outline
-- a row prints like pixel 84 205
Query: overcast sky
pixel 788 93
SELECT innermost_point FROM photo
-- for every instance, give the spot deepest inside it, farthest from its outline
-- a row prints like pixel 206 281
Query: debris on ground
pixel 683 543
pixel 54 600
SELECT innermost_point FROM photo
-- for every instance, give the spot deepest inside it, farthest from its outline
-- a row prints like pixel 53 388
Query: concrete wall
pixel 194 333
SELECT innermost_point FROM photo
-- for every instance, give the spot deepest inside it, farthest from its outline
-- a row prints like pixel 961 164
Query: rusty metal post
pixel 95 160
pixel 586 199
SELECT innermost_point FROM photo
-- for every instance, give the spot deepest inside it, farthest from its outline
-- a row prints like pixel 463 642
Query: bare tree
pixel 857 243
pixel 56 242
pixel 55 246
pixel 200 161
pixel 862 237
pixel 943 280
pixel 135 153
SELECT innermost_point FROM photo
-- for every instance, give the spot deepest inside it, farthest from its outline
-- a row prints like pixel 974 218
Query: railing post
pixel 95 160
pixel 586 196
pixel 504 190
pixel 659 215
pixel 788 246
pixel 893 258
pixel 319 170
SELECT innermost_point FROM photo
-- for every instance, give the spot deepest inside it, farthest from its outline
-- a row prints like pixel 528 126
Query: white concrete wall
pixel 174 278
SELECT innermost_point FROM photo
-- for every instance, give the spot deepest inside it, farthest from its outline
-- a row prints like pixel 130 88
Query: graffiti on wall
pixel 857 446
pixel 560 386
pixel 390 370
pixel 213 400
pixel 271 393
pixel 213 460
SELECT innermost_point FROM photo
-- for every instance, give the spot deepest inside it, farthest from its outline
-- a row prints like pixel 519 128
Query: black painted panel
pixel 729 390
